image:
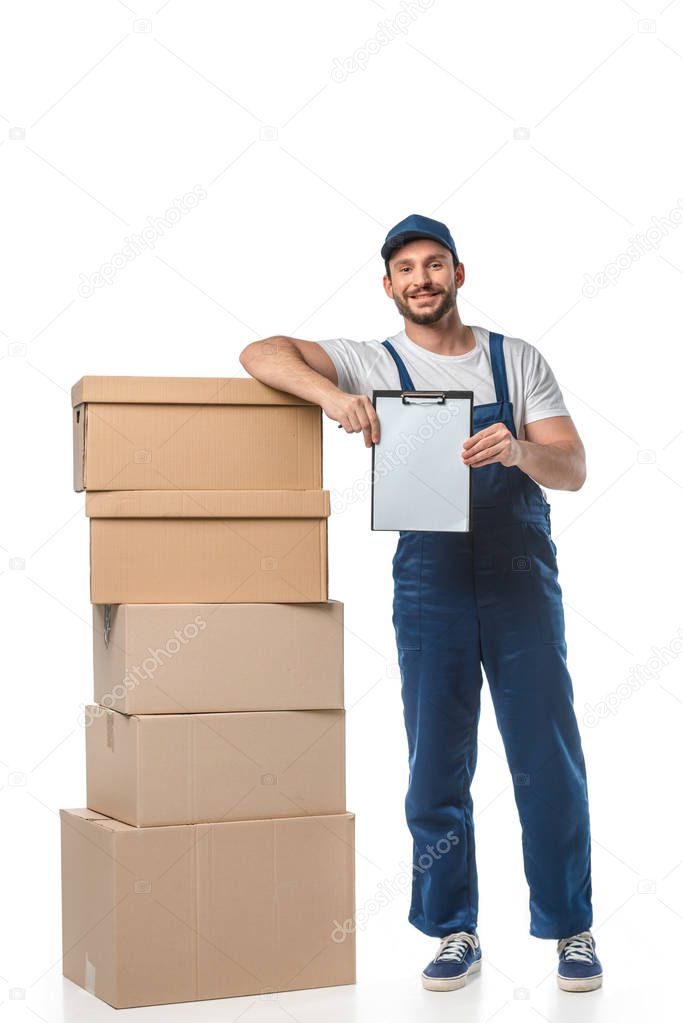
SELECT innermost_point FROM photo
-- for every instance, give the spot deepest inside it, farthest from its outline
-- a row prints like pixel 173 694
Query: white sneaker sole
pixel 449 983
pixel 579 983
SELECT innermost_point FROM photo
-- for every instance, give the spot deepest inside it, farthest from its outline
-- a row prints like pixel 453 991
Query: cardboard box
pixel 158 915
pixel 158 433
pixel 194 658
pixel 206 546
pixel 158 769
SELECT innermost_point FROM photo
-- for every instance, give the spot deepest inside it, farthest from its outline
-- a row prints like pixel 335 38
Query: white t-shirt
pixel 534 392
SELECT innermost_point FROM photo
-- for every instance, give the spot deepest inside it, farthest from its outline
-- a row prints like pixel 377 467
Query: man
pixel 461 600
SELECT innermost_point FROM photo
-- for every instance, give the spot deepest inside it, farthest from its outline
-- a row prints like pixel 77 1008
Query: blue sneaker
pixel 579 968
pixel 459 955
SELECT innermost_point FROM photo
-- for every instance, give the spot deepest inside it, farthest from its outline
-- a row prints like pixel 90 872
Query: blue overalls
pixel 490 597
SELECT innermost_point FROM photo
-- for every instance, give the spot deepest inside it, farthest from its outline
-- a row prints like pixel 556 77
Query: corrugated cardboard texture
pixel 180 390
pixel 193 504
pixel 158 915
pixel 250 447
pixel 185 658
pixel 141 433
pixel 211 560
pixel 164 769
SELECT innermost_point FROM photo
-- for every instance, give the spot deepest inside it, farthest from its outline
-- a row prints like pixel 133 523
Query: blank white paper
pixel 420 481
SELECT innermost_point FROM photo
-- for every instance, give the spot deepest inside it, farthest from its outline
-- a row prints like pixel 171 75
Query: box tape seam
pixel 90 976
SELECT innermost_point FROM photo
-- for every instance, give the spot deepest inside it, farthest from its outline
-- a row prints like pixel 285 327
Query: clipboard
pixel 419 481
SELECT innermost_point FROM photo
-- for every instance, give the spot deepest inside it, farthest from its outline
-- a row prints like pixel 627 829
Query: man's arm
pixel 305 369
pixel 553 454
pixel 302 368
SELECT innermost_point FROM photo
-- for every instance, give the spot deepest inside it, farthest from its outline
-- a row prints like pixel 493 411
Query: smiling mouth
pixel 424 294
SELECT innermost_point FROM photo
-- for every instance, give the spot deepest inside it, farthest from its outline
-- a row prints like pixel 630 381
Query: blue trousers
pixel 491 598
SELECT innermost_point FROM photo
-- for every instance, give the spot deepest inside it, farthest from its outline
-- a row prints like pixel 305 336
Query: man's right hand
pixel 355 412
pixel 304 368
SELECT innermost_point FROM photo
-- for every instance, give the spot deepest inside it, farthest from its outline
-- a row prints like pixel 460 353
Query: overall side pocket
pixel 546 591
pixel 407 607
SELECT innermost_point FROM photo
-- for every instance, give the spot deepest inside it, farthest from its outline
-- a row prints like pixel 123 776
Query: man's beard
pixel 439 309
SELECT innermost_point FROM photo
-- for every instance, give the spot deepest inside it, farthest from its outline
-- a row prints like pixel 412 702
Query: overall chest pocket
pixel 490 486
pixel 490 483
pixel 407 606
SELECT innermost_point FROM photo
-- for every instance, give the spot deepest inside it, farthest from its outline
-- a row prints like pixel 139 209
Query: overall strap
pixel 498 366
pixel 406 382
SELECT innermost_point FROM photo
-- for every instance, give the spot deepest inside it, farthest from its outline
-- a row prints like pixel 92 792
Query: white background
pixel 545 136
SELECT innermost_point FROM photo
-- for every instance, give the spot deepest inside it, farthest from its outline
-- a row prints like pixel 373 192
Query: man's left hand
pixel 495 443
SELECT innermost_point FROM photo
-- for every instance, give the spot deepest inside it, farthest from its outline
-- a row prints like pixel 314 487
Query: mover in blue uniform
pixel 487 598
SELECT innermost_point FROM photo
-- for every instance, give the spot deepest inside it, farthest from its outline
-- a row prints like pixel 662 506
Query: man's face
pixel 423 284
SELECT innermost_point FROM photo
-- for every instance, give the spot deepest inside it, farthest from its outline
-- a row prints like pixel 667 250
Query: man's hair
pixel 456 264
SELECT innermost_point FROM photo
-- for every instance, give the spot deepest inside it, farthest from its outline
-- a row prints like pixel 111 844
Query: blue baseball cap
pixel 417 226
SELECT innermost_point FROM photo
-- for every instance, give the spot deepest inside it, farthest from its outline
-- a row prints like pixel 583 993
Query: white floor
pixel 640 948
pixel 638 929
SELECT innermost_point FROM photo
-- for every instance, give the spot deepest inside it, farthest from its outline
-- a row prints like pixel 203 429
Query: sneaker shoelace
pixel 578 948
pixel 455 946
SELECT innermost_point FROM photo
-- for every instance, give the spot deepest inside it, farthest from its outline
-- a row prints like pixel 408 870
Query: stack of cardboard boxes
pixel 215 856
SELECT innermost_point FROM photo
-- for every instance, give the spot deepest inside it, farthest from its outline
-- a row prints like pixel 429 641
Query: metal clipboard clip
pixel 423 398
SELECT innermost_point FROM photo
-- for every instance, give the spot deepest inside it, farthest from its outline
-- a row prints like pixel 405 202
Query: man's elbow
pixel 247 354
pixel 580 472
pixel 250 350
pixel 255 347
